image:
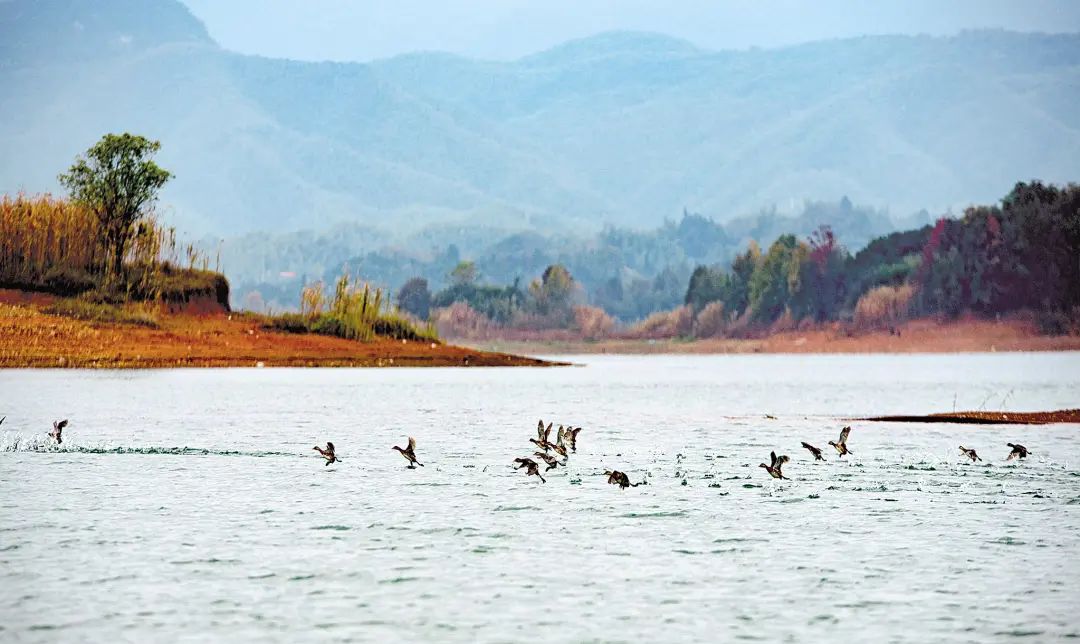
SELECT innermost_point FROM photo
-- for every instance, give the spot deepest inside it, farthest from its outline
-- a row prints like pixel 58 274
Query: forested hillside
pixel 622 129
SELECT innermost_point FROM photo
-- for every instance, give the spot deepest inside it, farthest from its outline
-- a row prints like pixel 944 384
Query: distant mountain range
pixel 620 128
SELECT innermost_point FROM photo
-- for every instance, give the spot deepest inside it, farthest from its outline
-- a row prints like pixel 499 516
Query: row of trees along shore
pixel 105 251
pixel 1020 255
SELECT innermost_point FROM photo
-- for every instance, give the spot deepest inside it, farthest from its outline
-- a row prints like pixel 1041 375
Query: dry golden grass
pixel 41 234
pixel 57 246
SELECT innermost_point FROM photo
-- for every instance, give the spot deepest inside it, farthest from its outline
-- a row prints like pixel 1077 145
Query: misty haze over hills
pixel 620 128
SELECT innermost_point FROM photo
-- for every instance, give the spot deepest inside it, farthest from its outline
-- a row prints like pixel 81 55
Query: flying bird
pixel 57 430
pixel 814 450
pixel 530 466
pixel 542 435
pixel 1018 451
pixel 327 453
pixel 2 420
pixel 970 453
pixel 774 467
pixel 841 446
pixel 571 437
pixel 551 461
pixel 410 453
pixel 560 443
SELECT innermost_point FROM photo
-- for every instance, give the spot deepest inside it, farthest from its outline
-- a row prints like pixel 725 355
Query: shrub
pixel 328 325
pixel 459 320
pixel 712 321
pixel 68 280
pixel 663 325
pixel 289 323
pixel 884 306
pixel 592 322
pixel 402 328
pixel 1059 322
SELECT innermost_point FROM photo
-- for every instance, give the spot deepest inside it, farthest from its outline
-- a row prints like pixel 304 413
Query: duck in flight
pixel 57 430
pixel 774 467
pixel 560 443
pixel 410 453
pixel 571 437
pixel 551 461
pixel 841 445
pixel 530 466
pixel 970 453
pixel 327 453
pixel 615 477
pixel 814 450
pixel 542 435
pixel 1018 451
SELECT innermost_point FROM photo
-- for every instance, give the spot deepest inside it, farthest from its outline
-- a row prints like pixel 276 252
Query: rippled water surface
pixel 188 504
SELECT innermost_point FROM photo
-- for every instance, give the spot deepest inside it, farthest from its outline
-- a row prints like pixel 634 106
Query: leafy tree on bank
pixel 820 279
pixel 550 296
pixel 769 284
pixel 415 298
pixel 707 284
pixel 464 274
pixel 742 269
pixel 119 181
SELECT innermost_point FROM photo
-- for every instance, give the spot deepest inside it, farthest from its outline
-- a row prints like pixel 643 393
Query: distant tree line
pixel 1023 254
pixel 697 277
pixel 548 303
pixel 628 273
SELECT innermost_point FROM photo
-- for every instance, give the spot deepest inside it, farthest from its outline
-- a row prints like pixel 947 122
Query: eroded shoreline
pixel 32 339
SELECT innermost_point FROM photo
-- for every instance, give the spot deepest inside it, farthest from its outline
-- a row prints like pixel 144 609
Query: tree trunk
pixel 118 259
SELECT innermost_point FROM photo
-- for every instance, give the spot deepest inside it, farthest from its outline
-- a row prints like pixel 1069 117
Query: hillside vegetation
pixel 624 129
pixel 1019 256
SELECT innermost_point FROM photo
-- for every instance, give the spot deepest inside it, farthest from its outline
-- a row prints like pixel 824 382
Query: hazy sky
pixel 503 29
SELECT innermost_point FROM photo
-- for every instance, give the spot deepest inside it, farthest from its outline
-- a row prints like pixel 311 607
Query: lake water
pixel 188 504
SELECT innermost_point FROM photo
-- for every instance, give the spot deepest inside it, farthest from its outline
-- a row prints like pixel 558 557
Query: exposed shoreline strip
pixel 987 417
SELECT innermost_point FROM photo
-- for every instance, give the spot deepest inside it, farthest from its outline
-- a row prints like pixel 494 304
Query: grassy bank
pixel 38 330
pixel 57 247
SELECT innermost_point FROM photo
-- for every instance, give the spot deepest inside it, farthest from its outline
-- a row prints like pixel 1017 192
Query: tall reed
pixel 55 245
pixel 41 235
pixel 356 311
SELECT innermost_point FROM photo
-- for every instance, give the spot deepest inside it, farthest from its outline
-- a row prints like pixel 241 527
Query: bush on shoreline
pixel 355 312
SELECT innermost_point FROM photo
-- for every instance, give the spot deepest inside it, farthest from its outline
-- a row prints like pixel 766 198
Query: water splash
pixel 33 444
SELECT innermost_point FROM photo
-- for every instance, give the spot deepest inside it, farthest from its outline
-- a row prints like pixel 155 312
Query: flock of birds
pixel 774 468
pixel 566 443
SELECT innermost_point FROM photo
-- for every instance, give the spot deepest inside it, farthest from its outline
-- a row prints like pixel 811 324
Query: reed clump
pixel 57 246
pixel 356 311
